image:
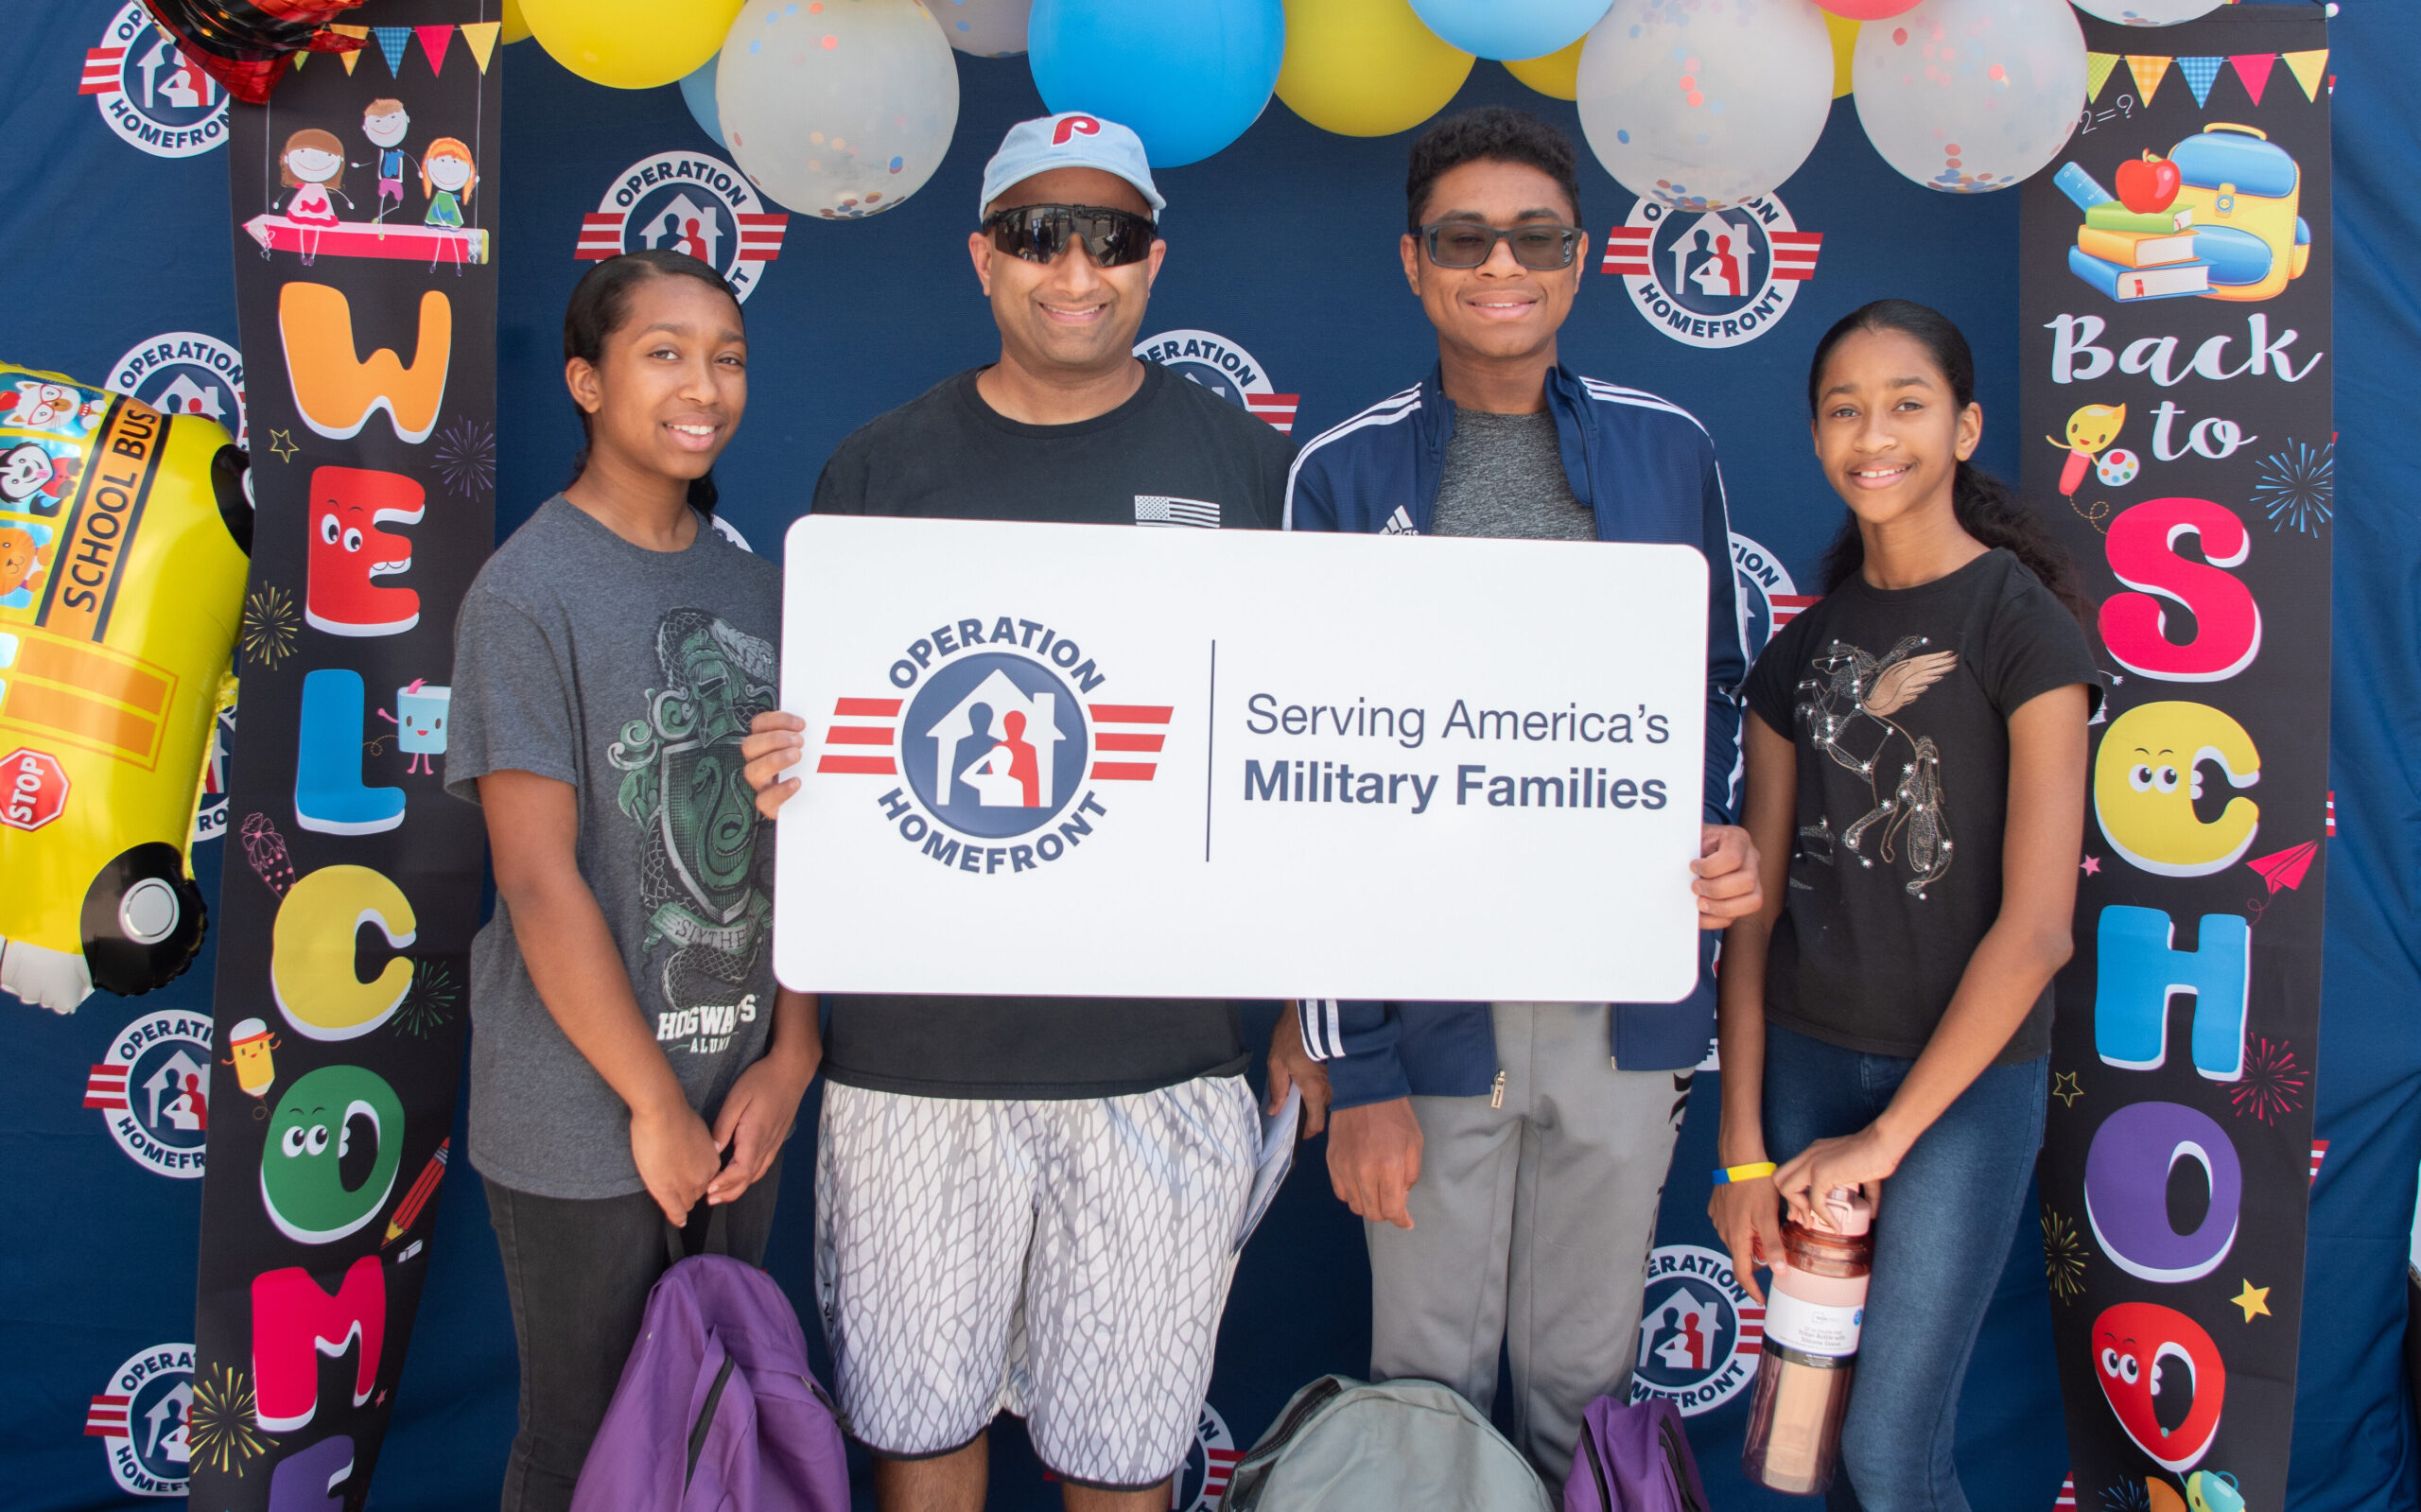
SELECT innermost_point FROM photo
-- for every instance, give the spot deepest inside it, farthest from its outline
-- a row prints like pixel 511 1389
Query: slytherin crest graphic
pixel 1849 706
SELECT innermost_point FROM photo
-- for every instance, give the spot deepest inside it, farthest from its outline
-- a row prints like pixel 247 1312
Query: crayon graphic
pixel 424 1187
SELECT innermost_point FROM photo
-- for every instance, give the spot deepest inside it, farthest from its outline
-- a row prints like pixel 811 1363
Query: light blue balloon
pixel 1188 75
pixel 698 92
pixel 1510 28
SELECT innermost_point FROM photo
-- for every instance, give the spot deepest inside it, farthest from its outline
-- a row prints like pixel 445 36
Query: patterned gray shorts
pixel 1063 1261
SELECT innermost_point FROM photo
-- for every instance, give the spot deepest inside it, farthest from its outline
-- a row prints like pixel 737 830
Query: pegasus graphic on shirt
pixel 683 785
pixel 1848 707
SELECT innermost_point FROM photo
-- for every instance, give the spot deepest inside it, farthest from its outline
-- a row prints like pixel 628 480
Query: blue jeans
pixel 1942 1237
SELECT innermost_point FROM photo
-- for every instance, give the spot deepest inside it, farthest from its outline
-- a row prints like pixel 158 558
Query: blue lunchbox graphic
pixel 2244 190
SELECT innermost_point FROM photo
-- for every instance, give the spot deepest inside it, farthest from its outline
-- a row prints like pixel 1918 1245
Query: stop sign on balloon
pixel 33 788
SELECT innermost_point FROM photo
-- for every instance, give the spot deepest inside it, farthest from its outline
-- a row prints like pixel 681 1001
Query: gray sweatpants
pixel 1532 1221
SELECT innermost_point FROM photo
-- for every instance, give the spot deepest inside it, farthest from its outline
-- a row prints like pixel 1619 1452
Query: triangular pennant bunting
pixel 2097 73
pixel 391 41
pixel 432 42
pixel 2149 72
pixel 358 34
pixel 2307 67
pixel 2254 69
pixel 479 36
pixel 2201 73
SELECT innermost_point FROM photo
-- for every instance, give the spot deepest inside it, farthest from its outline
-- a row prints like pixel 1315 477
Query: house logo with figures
pixel 691 202
pixel 186 372
pixel 1225 369
pixel 1712 278
pixel 153 1091
pixel 144 1419
pixel 1209 1463
pixel 999 743
pixel 149 93
pixel 1768 598
pixel 1699 1332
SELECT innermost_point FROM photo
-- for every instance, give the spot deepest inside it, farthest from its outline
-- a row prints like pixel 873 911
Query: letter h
pixel 294 1323
pixel 2139 970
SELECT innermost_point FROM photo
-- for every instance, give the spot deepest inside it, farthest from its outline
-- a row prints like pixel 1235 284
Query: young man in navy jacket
pixel 1507 1157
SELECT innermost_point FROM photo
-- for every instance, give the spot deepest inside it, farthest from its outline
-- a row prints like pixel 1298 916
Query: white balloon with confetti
pixel 840 109
pixel 1971 95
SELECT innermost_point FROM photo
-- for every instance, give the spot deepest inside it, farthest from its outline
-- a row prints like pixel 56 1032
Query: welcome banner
pixel 364 194
pixel 2175 311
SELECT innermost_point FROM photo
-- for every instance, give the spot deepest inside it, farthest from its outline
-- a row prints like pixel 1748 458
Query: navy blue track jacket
pixel 1646 467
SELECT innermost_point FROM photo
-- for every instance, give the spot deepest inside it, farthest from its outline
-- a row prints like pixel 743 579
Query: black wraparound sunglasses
pixel 1038 234
pixel 1468 244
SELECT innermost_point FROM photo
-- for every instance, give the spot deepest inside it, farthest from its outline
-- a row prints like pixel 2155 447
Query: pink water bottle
pixel 1815 1309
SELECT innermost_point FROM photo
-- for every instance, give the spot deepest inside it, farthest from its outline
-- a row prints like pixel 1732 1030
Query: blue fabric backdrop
pixel 1283 245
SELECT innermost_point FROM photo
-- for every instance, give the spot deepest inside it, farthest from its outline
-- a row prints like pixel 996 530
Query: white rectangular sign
pixel 1103 761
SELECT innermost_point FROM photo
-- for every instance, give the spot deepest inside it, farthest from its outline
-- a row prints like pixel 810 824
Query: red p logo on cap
pixel 1071 126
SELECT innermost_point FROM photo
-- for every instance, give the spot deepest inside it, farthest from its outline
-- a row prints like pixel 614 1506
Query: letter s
pixel 2142 546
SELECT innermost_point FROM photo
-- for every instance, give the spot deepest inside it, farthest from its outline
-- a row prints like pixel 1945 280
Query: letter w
pixel 294 1323
pixel 335 392
pixel 2139 971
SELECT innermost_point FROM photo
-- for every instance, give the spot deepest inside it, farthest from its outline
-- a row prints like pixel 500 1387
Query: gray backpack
pixel 1343 1445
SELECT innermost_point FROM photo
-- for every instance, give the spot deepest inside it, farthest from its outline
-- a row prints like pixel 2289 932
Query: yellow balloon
pixel 1557 74
pixel 516 30
pixel 1366 67
pixel 1844 32
pixel 631 43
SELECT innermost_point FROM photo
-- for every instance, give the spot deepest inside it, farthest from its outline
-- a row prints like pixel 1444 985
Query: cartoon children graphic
pixel 313 166
pixel 24 561
pixel 447 176
pixel 2090 429
pixel 384 122
pixel 31 479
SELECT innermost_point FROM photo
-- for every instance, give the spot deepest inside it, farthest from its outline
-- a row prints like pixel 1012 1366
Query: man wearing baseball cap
pixel 1032 1204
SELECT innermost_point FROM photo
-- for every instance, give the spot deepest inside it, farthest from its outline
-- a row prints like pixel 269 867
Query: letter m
pixel 2139 970
pixel 294 1323
pixel 1273 789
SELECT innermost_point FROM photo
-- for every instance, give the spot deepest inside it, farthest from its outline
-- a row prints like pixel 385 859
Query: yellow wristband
pixel 1748 1173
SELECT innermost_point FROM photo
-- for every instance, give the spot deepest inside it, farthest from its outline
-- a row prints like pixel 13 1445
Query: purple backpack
pixel 1633 1459
pixel 716 1411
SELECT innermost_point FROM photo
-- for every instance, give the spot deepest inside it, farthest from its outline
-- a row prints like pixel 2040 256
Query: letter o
pixel 912 836
pixel 903 665
pixel 1048 846
pixel 1065 653
pixel 2126 1191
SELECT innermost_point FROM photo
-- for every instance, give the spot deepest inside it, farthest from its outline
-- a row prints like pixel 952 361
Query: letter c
pixel 310 963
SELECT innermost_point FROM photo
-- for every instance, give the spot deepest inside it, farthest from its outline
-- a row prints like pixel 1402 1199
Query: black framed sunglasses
pixel 1467 244
pixel 1040 234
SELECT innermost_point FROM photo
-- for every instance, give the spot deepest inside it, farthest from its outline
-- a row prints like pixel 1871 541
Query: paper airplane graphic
pixel 2286 868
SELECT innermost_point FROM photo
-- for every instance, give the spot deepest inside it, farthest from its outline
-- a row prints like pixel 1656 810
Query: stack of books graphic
pixel 2130 255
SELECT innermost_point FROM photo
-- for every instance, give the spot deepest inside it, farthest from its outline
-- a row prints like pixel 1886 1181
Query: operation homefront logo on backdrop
pixel 691 202
pixel 1768 598
pixel 1712 278
pixel 1225 369
pixel 150 93
pixel 996 744
pixel 153 1091
pixel 1699 1332
pixel 1209 1463
pixel 186 372
pixel 145 1421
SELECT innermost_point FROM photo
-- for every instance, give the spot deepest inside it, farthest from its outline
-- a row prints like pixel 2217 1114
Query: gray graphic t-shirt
pixel 632 675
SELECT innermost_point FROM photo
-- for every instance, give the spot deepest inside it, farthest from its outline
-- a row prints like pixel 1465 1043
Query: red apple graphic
pixel 2148 185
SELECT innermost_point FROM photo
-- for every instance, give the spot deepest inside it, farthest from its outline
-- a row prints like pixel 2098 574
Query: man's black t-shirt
pixel 1898 704
pixel 1173 454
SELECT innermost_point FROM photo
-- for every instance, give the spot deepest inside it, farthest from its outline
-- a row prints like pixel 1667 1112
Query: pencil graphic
pixel 424 1187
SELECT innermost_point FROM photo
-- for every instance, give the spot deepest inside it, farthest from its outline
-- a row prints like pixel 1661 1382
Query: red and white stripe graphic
pixel 105 1086
pixel 105 1418
pixel 1125 731
pixel 1626 249
pixel 600 236
pixel 2319 1149
pixel 1277 409
pixel 101 71
pixel 1752 1329
pixel 2067 1497
pixel 761 236
pixel 2332 813
pixel 1788 607
pixel 1218 1469
pixel 860 725
pixel 1795 254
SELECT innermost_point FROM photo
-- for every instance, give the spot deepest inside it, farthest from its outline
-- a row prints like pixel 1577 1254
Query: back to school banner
pixel 364 195
pixel 2175 310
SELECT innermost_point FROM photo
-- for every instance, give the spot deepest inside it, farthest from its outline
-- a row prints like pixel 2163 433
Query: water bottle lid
pixel 1848 1210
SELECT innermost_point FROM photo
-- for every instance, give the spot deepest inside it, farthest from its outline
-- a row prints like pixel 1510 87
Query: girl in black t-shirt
pixel 1916 778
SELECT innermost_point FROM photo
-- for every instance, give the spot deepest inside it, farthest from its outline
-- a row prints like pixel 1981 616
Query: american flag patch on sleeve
pixel 1159 508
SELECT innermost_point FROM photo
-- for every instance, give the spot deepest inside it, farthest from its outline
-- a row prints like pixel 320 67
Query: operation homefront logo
pixel 151 94
pixel 1699 1332
pixel 1209 1463
pixel 691 202
pixel 999 749
pixel 1225 369
pixel 1712 278
pixel 145 1421
pixel 153 1091
pixel 186 372
pixel 1768 598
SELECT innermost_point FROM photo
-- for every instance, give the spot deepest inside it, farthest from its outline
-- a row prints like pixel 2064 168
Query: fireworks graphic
pixel 2273 1084
pixel 2298 486
pixel 430 1006
pixel 466 457
pixel 2063 1256
pixel 219 1430
pixel 269 623
pixel 2127 1496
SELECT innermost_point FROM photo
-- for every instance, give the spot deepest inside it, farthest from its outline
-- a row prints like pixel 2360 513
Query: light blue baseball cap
pixel 1070 139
